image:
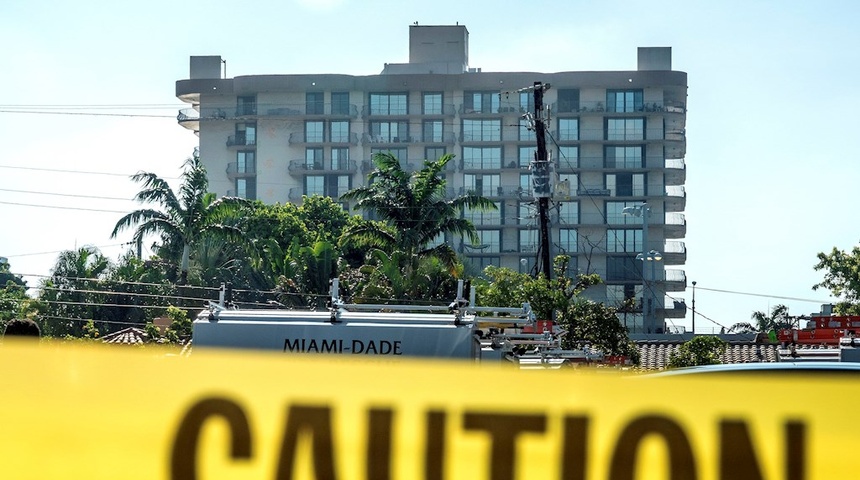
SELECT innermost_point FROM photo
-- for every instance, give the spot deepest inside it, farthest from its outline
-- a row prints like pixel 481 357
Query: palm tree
pixel 777 320
pixel 73 292
pixel 186 219
pixel 413 209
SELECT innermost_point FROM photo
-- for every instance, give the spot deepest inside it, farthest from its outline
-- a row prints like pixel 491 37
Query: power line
pixel 64 208
pixel 57 170
pixel 89 114
pixel 64 194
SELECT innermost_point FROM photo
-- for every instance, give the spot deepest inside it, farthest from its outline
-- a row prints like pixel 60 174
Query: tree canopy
pixel 842 278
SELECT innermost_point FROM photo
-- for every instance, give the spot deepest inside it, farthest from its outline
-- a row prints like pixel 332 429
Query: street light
pixel 642 210
pixel 652 256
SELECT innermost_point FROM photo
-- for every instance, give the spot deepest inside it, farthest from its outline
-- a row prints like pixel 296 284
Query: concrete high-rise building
pixel 616 141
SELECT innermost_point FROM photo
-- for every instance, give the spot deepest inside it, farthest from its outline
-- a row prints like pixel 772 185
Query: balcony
pixel 470 137
pixel 676 199
pixel 674 253
pixel 673 308
pixel 327 109
pixel 245 169
pixel 448 110
pixel 674 280
pixel 675 171
pixel 241 140
pixel 296 193
pixel 385 139
pixel 327 138
pixel 367 112
pixel 189 118
pixel 447 138
pixel 299 168
pixel 675 226
pixel 368 166
pixel 478 111
pixel 593 192
pixel 676 143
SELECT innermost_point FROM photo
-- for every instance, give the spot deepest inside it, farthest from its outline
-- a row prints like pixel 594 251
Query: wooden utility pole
pixel 541 180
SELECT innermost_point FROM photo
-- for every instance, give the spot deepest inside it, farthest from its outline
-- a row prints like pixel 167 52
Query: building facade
pixel 616 142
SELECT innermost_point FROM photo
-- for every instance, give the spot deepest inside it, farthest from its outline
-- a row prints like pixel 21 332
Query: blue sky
pixel 771 179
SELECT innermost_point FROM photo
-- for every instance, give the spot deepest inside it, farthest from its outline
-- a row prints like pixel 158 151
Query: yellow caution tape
pixel 126 413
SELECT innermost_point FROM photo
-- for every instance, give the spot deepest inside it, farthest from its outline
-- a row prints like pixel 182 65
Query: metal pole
pixel 694 308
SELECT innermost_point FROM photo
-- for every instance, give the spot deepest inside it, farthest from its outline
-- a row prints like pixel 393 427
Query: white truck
pixel 453 332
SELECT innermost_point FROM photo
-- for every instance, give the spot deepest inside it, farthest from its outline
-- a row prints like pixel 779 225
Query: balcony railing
pixel 385 139
pixel 329 109
pixel 296 193
pixel 188 115
pixel 600 107
pixel 301 137
pixel 244 169
pixel 447 138
pixel 241 140
pixel 303 166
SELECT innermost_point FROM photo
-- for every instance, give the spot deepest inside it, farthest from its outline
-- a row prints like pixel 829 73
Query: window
pixel 340 103
pixel 566 185
pixel 526 183
pixel 615 156
pixel 245 162
pixel 568 213
pixel 525 134
pixel 489 241
pixel 568 157
pixel 399 153
pixel 486 185
pixel 624 100
pixel 314 103
pixel 625 129
pixel 484 217
pixel 246 134
pixel 314 158
pixel 527 102
pixel 337 185
pixel 626 184
pixel 615 215
pixel 314 131
pixel 431 103
pixel 482 130
pixel 339 158
pixel 527 264
pixel 567 240
pixel 568 100
pixel 568 129
pixel 526 155
pixel 389 132
pixel 481 102
pixel 623 240
pixel 621 268
pixel 529 240
pixel 482 157
pixel 339 131
pixel 483 262
pixel 246 188
pixel 617 294
pixel 437 241
pixel 327 185
pixel 314 185
pixel 527 213
pixel 432 131
pixel 388 103
pixel 435 153
pixel 246 105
